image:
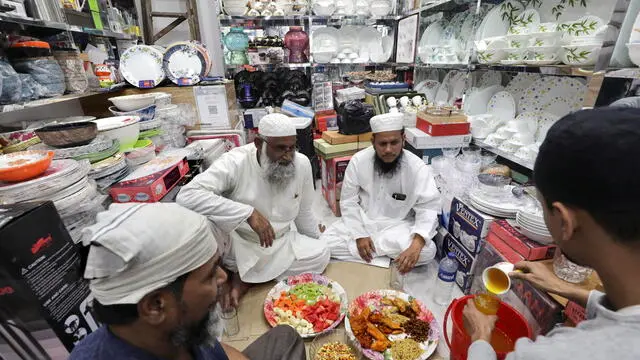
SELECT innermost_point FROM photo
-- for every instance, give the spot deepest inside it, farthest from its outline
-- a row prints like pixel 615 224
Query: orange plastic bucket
pixel 510 322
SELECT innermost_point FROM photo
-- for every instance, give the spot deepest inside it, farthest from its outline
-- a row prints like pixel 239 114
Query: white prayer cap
pixel 386 122
pixel 276 125
pixel 138 248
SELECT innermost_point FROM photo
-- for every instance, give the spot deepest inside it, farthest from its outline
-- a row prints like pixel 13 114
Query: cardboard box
pixel 507 252
pixel 540 310
pixel 425 154
pixel 526 247
pixel 575 312
pixel 443 125
pixel 466 262
pixel 329 151
pixel 151 181
pixel 326 120
pixel 335 138
pixel 421 140
pixel 292 109
pixel 332 175
pixel 469 225
pixel 40 285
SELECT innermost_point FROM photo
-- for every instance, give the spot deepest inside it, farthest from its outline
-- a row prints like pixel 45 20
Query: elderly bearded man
pixel 154 275
pixel 255 193
pixel 389 203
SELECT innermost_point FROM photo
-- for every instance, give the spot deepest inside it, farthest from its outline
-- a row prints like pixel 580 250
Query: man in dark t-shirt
pixel 154 275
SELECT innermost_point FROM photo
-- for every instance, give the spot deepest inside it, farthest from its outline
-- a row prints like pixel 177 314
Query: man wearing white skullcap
pixel 154 275
pixel 255 193
pixel 389 203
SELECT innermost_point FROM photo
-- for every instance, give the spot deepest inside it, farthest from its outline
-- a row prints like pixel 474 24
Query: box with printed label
pixel 40 287
pixel 540 310
pixel 466 262
pixel 468 225
pixel 151 181
pixel 505 250
pixel 332 175
pixel 526 247
pixel 575 312
pixel 421 140
pixel 443 124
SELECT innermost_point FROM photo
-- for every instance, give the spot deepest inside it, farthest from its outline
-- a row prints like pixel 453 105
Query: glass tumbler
pixel 569 271
pixel 231 323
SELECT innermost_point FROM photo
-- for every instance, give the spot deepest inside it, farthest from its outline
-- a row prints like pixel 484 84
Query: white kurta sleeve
pixel 427 205
pixel 203 194
pixel 350 202
pixel 306 221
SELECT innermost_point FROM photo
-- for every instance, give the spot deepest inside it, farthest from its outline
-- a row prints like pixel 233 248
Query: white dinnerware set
pixel 511 34
pixel 374 8
pixel 350 45
pixel 265 8
pixel 449 42
pixel 515 119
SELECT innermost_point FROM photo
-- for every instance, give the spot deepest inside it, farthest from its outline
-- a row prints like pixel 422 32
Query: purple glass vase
pixel 297 41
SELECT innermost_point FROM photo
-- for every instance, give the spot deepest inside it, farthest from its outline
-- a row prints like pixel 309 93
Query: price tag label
pixel 146 84
pixel 185 81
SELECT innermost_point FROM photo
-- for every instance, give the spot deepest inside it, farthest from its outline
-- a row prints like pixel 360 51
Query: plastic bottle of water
pixel 446 279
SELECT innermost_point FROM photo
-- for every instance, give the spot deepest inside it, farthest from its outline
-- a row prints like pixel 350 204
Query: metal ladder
pixel 191 16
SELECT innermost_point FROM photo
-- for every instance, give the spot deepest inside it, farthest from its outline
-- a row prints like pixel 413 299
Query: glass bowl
pixel 335 335
pixel 451 152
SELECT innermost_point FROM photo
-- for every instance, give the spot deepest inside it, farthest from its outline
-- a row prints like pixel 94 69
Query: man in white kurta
pixel 255 193
pixel 389 203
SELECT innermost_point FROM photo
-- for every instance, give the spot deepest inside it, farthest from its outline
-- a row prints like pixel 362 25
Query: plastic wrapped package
pixel 11 84
pixel 73 69
pixel 46 72
pixel 31 89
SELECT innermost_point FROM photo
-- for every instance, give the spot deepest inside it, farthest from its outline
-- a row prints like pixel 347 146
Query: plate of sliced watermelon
pixel 310 303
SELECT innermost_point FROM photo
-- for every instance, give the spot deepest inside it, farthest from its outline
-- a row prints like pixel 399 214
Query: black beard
pixel 387 169
pixel 194 335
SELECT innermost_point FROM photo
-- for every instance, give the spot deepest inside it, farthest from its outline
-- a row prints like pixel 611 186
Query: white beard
pixel 275 173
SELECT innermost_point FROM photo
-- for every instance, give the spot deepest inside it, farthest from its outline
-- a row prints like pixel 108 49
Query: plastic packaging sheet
pixel 45 71
pixel 31 89
pixel 11 84
pixel 73 69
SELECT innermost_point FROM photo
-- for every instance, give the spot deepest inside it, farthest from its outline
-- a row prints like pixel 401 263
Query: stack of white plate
pixel 531 224
pixel 504 204
pixel 66 184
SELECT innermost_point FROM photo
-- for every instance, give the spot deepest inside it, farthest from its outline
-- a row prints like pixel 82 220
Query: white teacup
pixel 510 146
pixel 548 27
pixel 544 53
pixel 495 140
pixel 540 41
pixel 496 278
pixel 404 101
pixel 514 54
pixel 506 131
pixel 523 138
pixel 392 102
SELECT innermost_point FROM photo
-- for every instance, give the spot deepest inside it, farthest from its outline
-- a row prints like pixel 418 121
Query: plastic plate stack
pixel 65 183
pixel 109 171
pixel 531 224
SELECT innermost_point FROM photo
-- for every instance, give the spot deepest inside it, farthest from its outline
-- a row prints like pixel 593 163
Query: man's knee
pixel 286 334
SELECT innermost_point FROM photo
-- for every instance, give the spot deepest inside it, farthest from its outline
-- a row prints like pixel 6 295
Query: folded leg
pixel 315 264
pixel 280 343
pixel 393 240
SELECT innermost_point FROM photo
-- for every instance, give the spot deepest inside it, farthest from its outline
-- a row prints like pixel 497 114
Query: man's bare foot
pixel 233 290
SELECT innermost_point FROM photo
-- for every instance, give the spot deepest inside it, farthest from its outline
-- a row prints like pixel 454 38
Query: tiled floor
pixel 355 278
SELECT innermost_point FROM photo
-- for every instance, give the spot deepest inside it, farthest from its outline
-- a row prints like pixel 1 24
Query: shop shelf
pixel 53 27
pixel 525 164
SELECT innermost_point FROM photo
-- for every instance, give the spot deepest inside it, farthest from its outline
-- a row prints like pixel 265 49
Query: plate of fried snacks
pixel 310 303
pixel 391 325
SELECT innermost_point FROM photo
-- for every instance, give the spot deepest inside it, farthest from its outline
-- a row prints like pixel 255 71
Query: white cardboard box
pixel 421 140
